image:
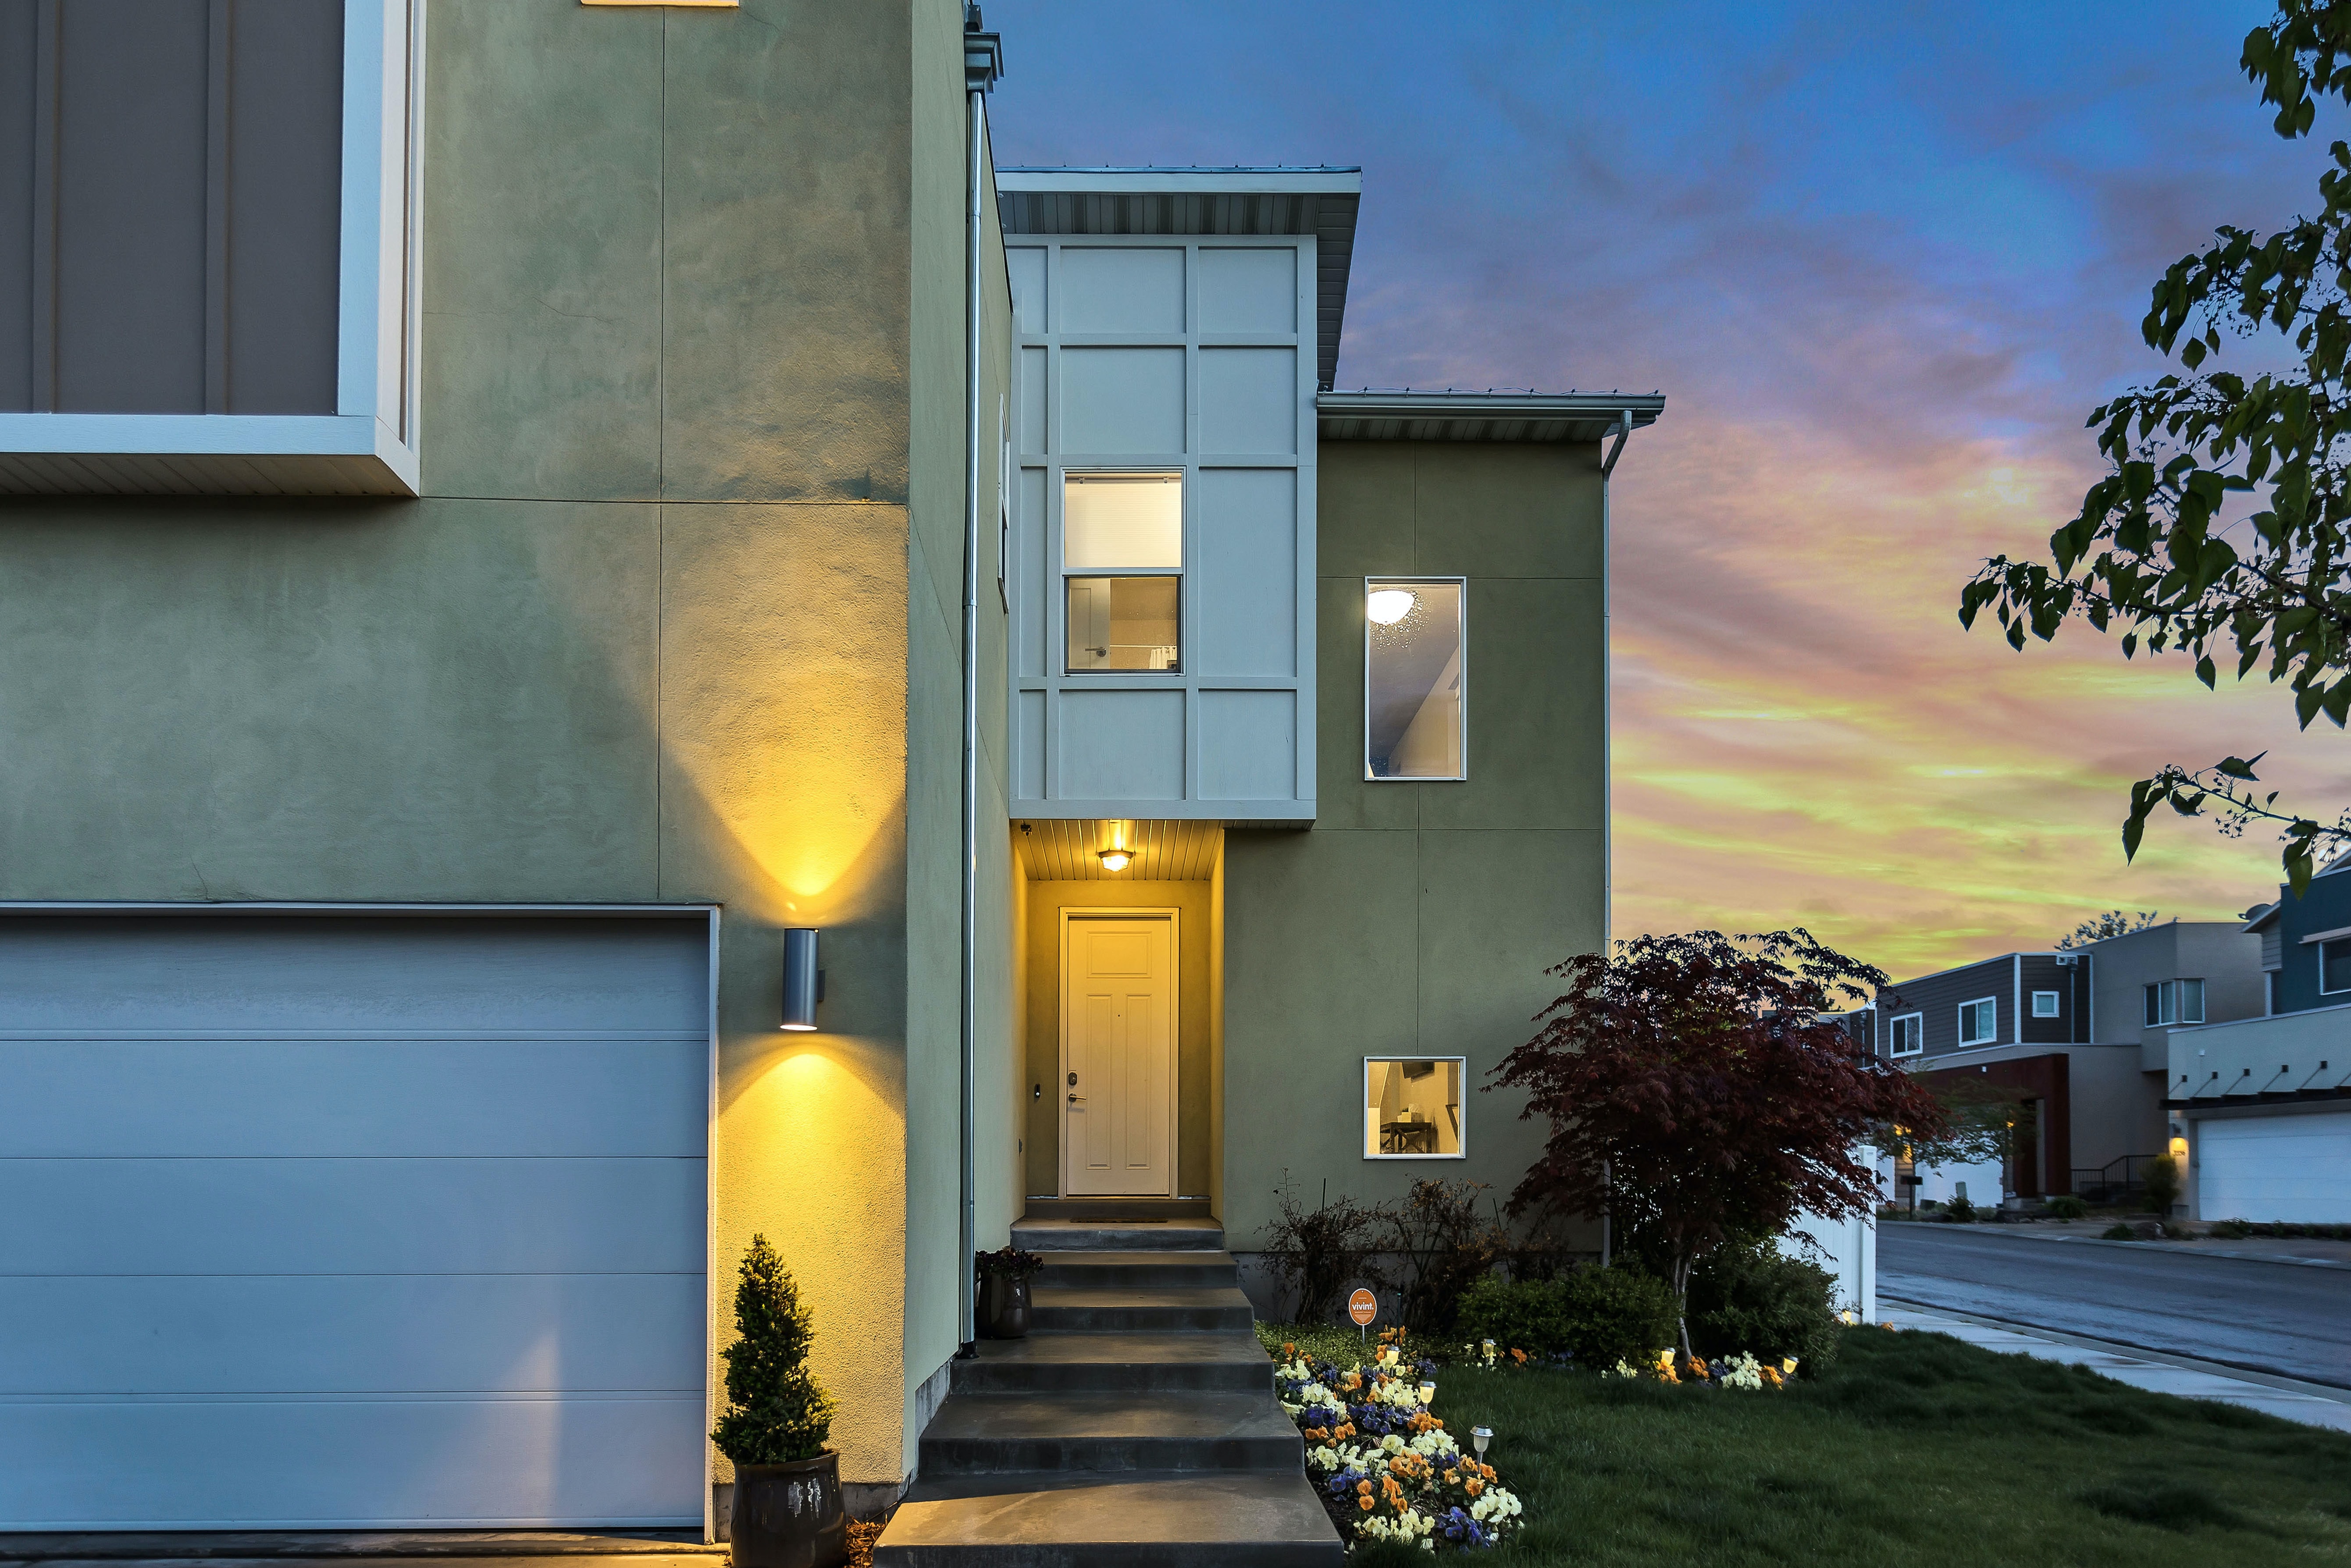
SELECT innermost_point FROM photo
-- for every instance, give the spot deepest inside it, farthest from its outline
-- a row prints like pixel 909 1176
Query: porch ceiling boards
pixel 1068 851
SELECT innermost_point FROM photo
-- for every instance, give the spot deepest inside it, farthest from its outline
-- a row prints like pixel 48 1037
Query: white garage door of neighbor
pixel 2295 1169
pixel 338 1221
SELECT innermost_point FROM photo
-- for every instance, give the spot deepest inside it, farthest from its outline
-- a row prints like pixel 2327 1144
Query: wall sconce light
pixel 803 981
pixel 2179 1149
pixel 1113 858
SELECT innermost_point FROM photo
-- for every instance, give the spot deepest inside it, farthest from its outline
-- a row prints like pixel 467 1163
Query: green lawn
pixel 1914 1451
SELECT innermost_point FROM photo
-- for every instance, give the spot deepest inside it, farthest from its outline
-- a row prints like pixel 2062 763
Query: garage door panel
pixel 243 1097
pixel 2295 1169
pixel 301 1216
pixel 580 1460
pixel 466 1333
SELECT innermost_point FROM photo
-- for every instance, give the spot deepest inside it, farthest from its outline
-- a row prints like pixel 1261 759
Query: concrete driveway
pixel 2293 1318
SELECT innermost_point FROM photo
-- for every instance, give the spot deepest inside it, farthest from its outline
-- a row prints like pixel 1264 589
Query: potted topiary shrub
pixel 1002 1279
pixel 787 1508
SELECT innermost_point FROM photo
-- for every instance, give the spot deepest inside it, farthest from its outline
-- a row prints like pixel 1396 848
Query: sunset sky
pixel 1882 259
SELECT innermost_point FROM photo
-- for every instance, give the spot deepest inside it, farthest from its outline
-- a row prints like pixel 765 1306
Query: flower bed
pixel 1384 1465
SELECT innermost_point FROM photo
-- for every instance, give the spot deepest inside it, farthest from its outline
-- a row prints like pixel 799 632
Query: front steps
pixel 1136 1426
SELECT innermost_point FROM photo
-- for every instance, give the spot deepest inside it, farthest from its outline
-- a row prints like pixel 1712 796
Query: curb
pixel 2178 1249
pixel 2337 1393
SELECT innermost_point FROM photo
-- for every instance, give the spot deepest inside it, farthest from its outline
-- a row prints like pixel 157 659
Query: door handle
pixel 1076 1100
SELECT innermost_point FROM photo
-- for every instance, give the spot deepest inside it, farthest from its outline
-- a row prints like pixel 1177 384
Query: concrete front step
pixel 1116 1363
pixel 1138 1270
pixel 1102 1208
pixel 1132 1521
pixel 1118 1236
pixel 990 1434
pixel 1053 1311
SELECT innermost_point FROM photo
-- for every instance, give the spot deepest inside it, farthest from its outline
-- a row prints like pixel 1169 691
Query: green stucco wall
pixel 684 583
pixel 1417 918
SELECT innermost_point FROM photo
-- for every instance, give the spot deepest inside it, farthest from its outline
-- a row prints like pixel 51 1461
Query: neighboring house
pixel 486 563
pixel 2076 1038
pixel 2261 1105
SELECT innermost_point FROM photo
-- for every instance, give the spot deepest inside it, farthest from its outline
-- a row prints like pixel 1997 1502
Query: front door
pixel 1118 1056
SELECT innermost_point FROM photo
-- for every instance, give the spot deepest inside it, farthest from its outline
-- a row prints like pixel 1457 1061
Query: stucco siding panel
pixel 1538 733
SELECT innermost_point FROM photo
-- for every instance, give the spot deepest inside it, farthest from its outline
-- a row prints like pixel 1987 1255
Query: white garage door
pixel 2294 1167
pixel 336 1221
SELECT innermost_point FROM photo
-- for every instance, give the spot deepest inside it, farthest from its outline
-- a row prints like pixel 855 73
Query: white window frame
pixel 2056 1000
pixel 2171 1008
pixel 1362 1083
pixel 1917 1032
pixel 1364 606
pixel 1062 572
pixel 371 437
pixel 1991 1038
pixel 2322 947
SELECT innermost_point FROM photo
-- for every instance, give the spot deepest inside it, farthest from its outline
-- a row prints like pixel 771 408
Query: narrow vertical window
pixel 1415 707
pixel 1122 565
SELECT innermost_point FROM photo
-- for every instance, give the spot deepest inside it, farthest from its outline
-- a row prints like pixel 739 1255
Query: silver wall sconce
pixel 803 981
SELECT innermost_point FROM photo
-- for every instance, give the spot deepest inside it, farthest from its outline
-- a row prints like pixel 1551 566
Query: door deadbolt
pixel 1073 1080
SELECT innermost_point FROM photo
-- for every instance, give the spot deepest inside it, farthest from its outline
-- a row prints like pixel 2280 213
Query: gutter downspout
pixel 983 62
pixel 1607 775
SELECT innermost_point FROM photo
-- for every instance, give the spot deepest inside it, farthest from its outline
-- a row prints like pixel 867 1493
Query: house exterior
pixel 2261 1106
pixel 2077 1038
pixel 486 561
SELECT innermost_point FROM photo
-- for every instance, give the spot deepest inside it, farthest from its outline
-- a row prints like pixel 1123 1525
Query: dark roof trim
pixel 1481 416
pixel 1320 201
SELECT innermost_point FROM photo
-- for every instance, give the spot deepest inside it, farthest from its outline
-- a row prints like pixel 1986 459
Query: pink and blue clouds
pixel 1883 260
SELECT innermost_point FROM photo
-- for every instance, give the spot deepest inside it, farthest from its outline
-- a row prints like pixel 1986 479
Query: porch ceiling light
pixel 803 982
pixel 1387 606
pixel 1113 858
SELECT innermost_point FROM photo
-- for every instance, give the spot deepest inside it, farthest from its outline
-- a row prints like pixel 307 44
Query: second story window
pixel 1415 698
pixel 1122 565
pixel 1906 1035
pixel 1979 1022
pixel 2334 966
pixel 2174 1001
pixel 2044 1004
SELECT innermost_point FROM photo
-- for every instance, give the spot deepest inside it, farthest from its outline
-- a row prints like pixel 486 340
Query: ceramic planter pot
pixel 789 1515
pixel 1004 1306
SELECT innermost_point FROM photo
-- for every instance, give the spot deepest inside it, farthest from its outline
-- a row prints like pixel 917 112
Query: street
pixel 2285 1318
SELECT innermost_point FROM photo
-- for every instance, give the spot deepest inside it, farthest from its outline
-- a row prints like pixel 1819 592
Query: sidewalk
pixel 2309 1251
pixel 2313 1404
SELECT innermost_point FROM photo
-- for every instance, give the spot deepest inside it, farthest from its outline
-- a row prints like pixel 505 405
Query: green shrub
pixel 2066 1206
pixel 2118 1232
pixel 1599 1316
pixel 776 1410
pixel 2233 1229
pixel 1961 1212
pixel 1752 1298
pixel 2162 1182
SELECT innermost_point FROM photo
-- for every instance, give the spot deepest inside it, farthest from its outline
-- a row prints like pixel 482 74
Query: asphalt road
pixel 2277 1317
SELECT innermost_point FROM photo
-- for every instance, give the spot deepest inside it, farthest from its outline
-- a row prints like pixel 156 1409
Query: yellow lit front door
pixel 1118 1056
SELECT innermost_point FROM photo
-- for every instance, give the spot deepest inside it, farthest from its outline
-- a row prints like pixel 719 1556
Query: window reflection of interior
pixel 1122 623
pixel 1412 668
pixel 1412 1106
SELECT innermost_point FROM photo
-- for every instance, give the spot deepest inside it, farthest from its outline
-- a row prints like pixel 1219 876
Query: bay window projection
pixel 1412 1107
pixel 1122 566
pixel 1413 696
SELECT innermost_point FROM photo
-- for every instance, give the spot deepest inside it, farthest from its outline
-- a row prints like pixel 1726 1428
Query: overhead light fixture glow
pixel 1113 858
pixel 1387 606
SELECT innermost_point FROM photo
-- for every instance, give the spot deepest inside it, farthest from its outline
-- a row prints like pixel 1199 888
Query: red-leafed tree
pixel 1694 1080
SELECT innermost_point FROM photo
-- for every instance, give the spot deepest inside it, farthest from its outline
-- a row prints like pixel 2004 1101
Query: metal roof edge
pixel 1407 405
pixel 1330 179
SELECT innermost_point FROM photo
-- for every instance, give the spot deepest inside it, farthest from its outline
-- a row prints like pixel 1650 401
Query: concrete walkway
pixel 2312 1404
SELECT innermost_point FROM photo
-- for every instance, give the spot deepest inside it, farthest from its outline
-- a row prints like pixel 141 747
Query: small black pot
pixel 789 1515
pixel 1004 1306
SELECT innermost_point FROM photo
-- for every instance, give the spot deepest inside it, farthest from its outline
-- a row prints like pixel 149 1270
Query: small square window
pixel 2044 1004
pixel 1412 1107
pixel 1979 1022
pixel 1909 1034
pixel 1414 693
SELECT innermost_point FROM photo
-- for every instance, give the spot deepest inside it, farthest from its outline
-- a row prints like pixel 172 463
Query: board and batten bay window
pixel 1416 712
pixel 1122 571
pixel 216 288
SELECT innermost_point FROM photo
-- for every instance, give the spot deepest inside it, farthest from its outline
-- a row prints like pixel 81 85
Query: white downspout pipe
pixel 982 62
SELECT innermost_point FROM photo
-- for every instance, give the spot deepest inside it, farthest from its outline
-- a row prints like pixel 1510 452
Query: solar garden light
pixel 1427 1392
pixel 1481 1436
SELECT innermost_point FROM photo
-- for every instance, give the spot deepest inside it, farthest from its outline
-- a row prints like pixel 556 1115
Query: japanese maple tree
pixel 1695 1080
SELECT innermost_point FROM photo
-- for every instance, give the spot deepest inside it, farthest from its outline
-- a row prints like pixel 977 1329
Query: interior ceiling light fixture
pixel 1387 606
pixel 1113 858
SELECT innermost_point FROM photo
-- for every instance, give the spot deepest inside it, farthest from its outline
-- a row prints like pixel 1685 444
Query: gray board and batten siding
pixel 1186 354
pixel 2010 982
pixel 207 283
pixel 364 1221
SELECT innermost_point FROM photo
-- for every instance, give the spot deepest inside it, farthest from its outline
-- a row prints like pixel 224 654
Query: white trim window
pixel 1123 572
pixel 2334 967
pixel 2174 1002
pixel 1906 1035
pixel 2046 1004
pixel 1413 1108
pixel 1979 1022
pixel 1416 678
